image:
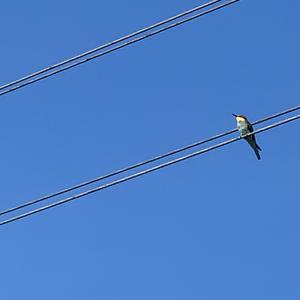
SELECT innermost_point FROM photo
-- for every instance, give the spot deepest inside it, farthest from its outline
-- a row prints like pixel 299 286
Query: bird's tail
pixel 258 147
pixel 257 153
pixel 255 147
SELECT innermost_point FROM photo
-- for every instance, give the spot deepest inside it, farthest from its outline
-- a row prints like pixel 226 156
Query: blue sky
pixel 219 226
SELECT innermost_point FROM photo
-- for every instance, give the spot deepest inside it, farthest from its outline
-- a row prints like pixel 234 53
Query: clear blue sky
pixel 220 226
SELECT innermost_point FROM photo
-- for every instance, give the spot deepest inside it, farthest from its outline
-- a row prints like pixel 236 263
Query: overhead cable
pixel 134 166
pixel 101 47
pixel 120 46
pixel 147 171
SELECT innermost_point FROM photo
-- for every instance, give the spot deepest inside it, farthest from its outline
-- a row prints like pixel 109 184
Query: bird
pixel 245 127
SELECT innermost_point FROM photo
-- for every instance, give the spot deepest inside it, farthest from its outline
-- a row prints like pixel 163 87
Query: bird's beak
pixel 234 115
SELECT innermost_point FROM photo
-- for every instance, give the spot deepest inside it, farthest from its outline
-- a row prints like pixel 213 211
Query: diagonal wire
pixel 89 52
pixel 112 43
pixel 133 41
pixel 147 171
pixel 134 166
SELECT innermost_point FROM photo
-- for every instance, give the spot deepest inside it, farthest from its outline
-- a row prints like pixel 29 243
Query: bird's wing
pixel 253 136
pixel 250 127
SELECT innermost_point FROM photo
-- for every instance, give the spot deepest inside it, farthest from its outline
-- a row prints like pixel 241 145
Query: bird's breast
pixel 242 127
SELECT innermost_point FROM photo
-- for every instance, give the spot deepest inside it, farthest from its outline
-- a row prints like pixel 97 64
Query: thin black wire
pixel 147 171
pixel 112 43
pixel 133 41
pixel 134 166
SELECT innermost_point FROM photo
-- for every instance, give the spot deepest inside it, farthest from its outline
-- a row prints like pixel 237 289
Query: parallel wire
pixel 133 41
pixel 147 171
pixel 95 50
pixel 134 166
pixel 112 43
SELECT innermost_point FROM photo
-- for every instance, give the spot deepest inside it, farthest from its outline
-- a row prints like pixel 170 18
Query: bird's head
pixel 240 118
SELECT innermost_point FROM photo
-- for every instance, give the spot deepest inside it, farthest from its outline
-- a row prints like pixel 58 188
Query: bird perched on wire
pixel 245 127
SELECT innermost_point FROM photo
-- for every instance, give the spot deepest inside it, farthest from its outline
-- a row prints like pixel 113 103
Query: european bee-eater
pixel 245 127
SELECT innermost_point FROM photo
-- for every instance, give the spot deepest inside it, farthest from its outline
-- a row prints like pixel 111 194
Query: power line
pixel 147 171
pixel 133 41
pixel 97 49
pixel 134 166
pixel 112 43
